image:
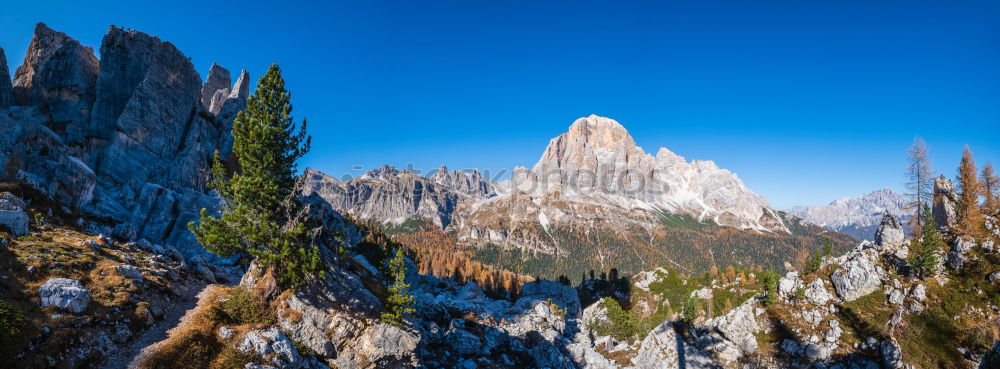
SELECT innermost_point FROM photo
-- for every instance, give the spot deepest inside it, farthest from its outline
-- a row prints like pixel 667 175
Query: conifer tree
pixel 919 180
pixel 923 255
pixel 769 280
pixel 970 219
pixel 399 303
pixel 259 195
pixel 827 248
pixel 991 189
pixel 815 260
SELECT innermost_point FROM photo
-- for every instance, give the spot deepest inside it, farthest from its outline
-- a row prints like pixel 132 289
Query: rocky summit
pixel 591 187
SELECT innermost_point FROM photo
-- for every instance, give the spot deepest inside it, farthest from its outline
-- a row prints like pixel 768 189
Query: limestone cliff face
pixel 58 76
pixel 5 87
pixel 387 194
pixel 128 137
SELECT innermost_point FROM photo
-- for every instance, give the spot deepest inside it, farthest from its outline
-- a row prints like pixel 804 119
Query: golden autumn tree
pixel 970 219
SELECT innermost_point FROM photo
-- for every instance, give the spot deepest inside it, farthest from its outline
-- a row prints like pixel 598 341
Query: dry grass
pixel 196 341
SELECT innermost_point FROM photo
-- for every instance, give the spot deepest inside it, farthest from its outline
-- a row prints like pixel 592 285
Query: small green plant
pixel 690 310
pixel 241 307
pixel 769 280
pixel 556 309
pixel 399 303
pixel 39 219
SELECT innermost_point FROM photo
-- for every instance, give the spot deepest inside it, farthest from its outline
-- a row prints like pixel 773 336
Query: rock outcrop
pixel 67 294
pixel 6 90
pixel 890 233
pixel 125 138
pixel 215 91
pixel 860 273
pixel 12 214
pixel 945 200
pixel 58 75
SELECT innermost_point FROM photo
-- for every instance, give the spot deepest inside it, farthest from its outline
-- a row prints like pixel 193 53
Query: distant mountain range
pixel 858 216
pixel 594 200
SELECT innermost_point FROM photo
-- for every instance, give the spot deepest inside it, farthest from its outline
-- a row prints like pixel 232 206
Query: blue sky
pixel 806 101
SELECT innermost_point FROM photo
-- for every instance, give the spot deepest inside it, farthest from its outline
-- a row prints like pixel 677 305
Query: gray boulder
pixel 890 233
pixel 892 355
pixel 67 294
pixel 959 252
pixel 128 271
pixel 274 346
pixel 860 275
pixel 945 200
pixel 12 214
pixel 816 292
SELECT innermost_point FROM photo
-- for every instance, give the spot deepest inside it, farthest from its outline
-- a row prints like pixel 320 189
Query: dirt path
pixel 173 318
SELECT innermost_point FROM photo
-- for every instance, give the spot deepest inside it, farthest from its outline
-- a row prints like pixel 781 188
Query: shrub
pixel 242 307
pixel 620 325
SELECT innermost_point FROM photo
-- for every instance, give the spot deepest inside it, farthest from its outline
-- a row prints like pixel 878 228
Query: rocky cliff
pixel 126 139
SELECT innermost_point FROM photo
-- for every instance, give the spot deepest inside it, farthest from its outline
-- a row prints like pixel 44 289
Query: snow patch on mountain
pixel 858 216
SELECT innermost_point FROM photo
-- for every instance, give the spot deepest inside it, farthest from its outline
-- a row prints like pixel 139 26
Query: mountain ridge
pixel 859 215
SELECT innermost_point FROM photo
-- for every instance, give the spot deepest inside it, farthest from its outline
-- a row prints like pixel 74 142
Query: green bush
pixel 242 307
pixel 620 325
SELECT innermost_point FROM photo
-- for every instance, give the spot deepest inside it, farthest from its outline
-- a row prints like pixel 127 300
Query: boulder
pixel 740 326
pixel 816 292
pixel 945 200
pixel 892 355
pixel 959 252
pixel 889 234
pixel 6 98
pixel 274 346
pixel 859 276
pixel 788 285
pixel 12 214
pixel 128 271
pixel 59 75
pixel 658 349
pixel 67 294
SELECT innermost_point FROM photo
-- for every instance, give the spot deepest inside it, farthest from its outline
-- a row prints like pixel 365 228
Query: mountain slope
pixel 858 216
pixel 593 201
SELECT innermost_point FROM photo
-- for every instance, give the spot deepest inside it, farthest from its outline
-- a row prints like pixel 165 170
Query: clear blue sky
pixel 806 100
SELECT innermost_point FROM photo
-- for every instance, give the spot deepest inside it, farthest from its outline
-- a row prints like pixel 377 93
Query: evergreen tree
pixel 769 280
pixel 970 219
pixel 919 180
pixel 815 260
pixel 258 196
pixel 827 248
pixel 399 303
pixel 923 254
